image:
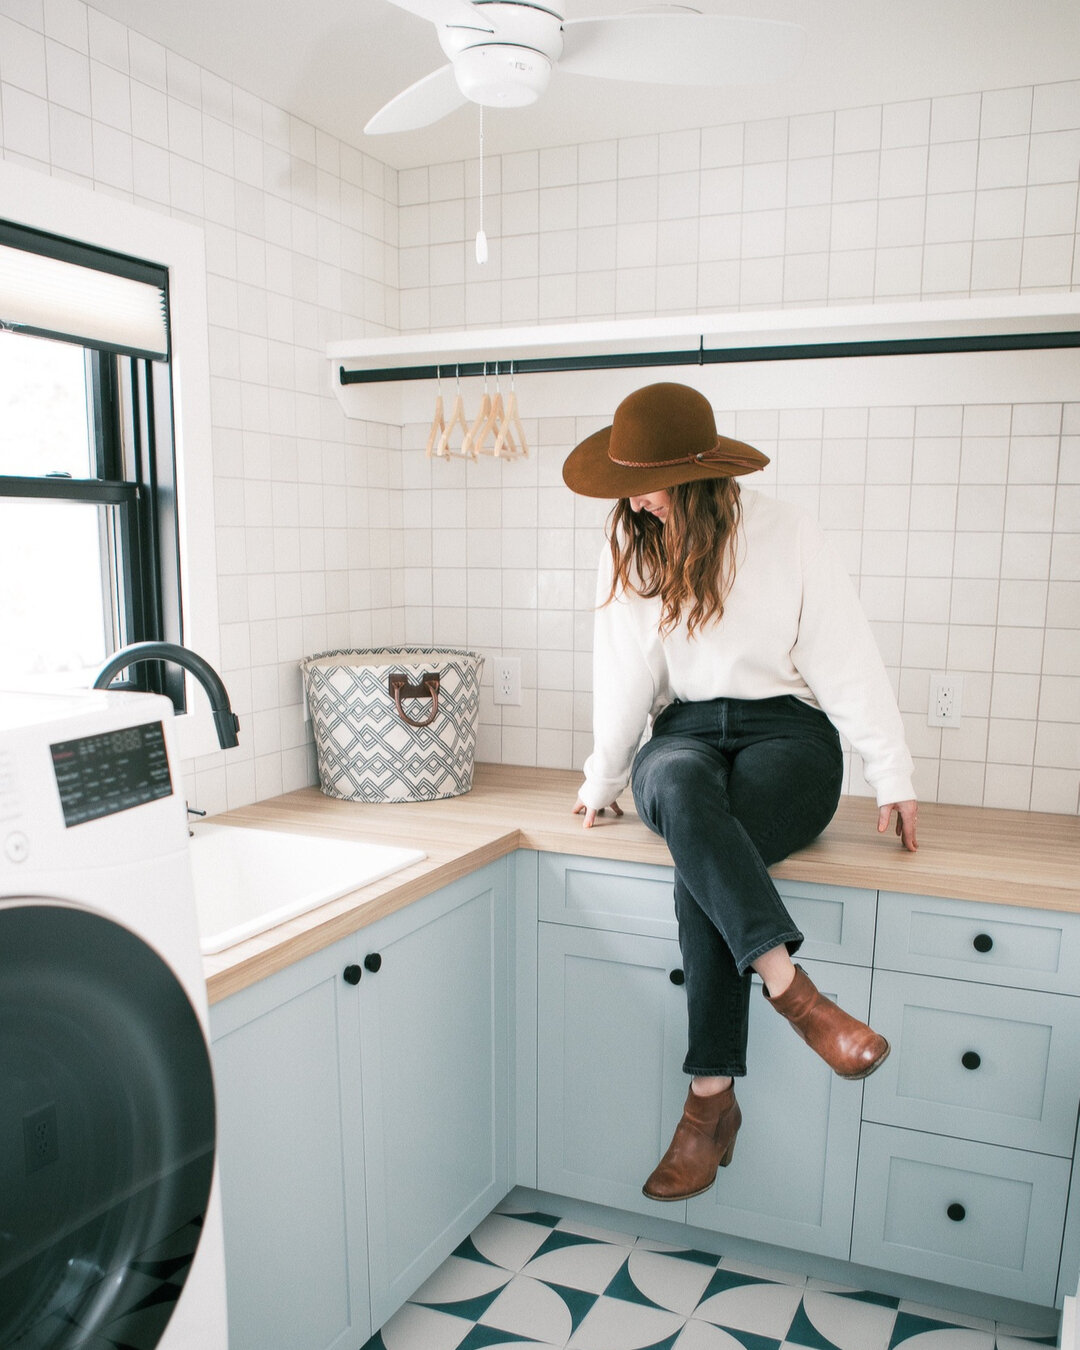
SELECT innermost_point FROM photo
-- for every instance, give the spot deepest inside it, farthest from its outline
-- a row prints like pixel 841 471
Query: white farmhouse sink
pixel 249 880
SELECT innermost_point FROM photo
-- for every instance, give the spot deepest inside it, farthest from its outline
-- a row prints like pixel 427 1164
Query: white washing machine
pixel 110 1221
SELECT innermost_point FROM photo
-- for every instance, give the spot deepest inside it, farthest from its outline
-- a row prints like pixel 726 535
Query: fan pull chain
pixel 481 235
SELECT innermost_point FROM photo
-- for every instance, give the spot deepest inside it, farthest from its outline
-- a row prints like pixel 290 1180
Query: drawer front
pixel 598 893
pixel 972 1215
pixel 977 1062
pixel 994 944
pixel 838 921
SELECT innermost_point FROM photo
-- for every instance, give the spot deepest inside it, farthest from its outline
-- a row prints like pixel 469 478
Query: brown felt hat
pixel 661 435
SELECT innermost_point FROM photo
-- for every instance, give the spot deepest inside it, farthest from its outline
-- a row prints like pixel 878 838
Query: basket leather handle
pixel 399 687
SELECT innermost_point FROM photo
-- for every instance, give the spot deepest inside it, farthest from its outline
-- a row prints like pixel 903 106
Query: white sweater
pixel 792 624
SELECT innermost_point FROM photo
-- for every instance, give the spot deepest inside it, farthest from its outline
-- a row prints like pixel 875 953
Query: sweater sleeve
pixel 838 657
pixel 624 690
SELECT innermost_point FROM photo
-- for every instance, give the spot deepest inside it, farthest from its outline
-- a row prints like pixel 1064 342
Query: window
pixel 89 548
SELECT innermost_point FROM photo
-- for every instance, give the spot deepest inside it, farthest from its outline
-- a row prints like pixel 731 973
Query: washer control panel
pixel 111 771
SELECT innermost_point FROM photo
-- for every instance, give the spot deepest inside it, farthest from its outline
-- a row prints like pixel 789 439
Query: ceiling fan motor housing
pixel 507 59
pixel 499 75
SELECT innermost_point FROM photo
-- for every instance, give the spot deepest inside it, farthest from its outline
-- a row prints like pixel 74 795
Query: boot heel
pixel 729 1153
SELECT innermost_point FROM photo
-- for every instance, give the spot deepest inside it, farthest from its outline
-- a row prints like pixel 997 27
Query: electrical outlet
pixel 507 679
pixel 945 696
pixel 40 1143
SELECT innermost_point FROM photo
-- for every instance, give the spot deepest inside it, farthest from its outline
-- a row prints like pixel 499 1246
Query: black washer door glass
pixel 106 1133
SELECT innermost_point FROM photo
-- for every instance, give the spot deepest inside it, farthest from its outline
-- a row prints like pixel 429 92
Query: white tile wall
pixel 958 522
pixel 961 523
pixel 301 241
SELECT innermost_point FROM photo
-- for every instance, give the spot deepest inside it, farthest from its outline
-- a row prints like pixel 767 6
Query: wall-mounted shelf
pixel 991 323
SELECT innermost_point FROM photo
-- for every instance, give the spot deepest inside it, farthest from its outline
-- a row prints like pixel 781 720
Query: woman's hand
pixel 906 817
pixel 591 812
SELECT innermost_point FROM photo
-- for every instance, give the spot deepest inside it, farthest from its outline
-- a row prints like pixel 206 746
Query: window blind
pixel 100 307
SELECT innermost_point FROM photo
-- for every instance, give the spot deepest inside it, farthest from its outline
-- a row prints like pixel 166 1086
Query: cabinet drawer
pixel 976 1062
pixel 838 921
pixel 995 944
pixel 972 1215
pixel 598 893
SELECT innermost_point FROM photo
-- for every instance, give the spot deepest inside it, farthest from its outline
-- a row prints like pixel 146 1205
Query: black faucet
pixel 228 724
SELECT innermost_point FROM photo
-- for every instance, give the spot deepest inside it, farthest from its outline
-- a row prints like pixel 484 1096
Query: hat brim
pixel 589 471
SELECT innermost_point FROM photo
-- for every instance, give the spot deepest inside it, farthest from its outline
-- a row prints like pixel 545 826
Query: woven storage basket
pixel 394 724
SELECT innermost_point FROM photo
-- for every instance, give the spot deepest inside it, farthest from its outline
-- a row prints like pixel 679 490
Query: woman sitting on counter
pixel 725 620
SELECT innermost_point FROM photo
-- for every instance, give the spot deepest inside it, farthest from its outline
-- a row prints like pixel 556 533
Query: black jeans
pixel 733 786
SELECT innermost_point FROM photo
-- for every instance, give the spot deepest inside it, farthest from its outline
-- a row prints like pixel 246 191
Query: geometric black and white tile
pixel 531 1281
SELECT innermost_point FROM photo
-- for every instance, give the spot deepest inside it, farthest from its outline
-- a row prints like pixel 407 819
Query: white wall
pixel 301 248
pixel 954 495
pixel 960 516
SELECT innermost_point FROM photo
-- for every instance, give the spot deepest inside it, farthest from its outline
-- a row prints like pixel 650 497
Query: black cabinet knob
pixel 372 962
pixel 352 974
pixel 982 942
pixel 956 1212
pixel 677 977
pixel 971 1059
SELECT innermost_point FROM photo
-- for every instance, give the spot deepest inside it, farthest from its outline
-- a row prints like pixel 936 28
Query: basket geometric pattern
pixel 365 751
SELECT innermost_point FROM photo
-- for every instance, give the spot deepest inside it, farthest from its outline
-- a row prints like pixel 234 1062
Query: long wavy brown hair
pixel 688 560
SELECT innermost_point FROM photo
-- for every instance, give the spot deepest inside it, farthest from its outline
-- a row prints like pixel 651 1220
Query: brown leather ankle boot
pixel 704 1140
pixel 848 1046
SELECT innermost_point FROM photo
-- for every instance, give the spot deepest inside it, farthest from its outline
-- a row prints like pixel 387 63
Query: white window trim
pixel 63 208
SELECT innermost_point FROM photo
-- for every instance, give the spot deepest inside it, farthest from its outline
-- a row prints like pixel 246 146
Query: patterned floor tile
pixel 510 1240
pixel 841 1321
pixel 615 1324
pixel 914 1332
pixel 462 1287
pixel 531 1308
pixel 597 1234
pixel 530 1280
pixel 417 1328
pixel 747 1302
pixel 668 1279
pixel 576 1260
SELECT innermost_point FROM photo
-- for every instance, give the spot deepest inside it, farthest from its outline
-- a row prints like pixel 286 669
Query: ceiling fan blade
pixel 428 100
pixel 702 49
pixel 458 12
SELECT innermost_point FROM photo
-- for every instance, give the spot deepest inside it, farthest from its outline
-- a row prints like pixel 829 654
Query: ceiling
pixel 336 62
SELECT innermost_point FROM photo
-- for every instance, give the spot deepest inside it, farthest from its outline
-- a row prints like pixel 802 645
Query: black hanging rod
pixel 701 356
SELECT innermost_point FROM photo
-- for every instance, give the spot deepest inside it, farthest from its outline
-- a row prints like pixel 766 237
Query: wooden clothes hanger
pixel 474 434
pixel 511 435
pixel 438 423
pixel 457 419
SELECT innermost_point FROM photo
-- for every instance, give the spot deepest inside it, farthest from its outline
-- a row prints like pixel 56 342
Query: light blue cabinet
pixel 612 1038
pixel 367 1123
pixel 792 1182
pixel 363 1100
pixel 434 1050
pixel 965 1162
pixel 612 1034
pixel 961 1212
pixel 291 1158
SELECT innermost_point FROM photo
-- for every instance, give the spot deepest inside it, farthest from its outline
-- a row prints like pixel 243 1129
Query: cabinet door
pixel 612 1037
pixel 291 1160
pixel 792 1180
pixel 969 1214
pixel 433 1021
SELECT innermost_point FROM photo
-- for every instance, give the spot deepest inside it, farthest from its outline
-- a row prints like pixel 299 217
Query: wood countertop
pixel 965 853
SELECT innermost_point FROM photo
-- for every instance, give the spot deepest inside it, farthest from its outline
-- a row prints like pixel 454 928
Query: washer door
pixel 106 1132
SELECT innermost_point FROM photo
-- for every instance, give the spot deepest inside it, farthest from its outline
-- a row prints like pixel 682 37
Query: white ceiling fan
pixel 502 53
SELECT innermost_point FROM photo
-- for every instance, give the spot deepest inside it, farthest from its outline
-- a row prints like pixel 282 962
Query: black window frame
pixel 130 426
